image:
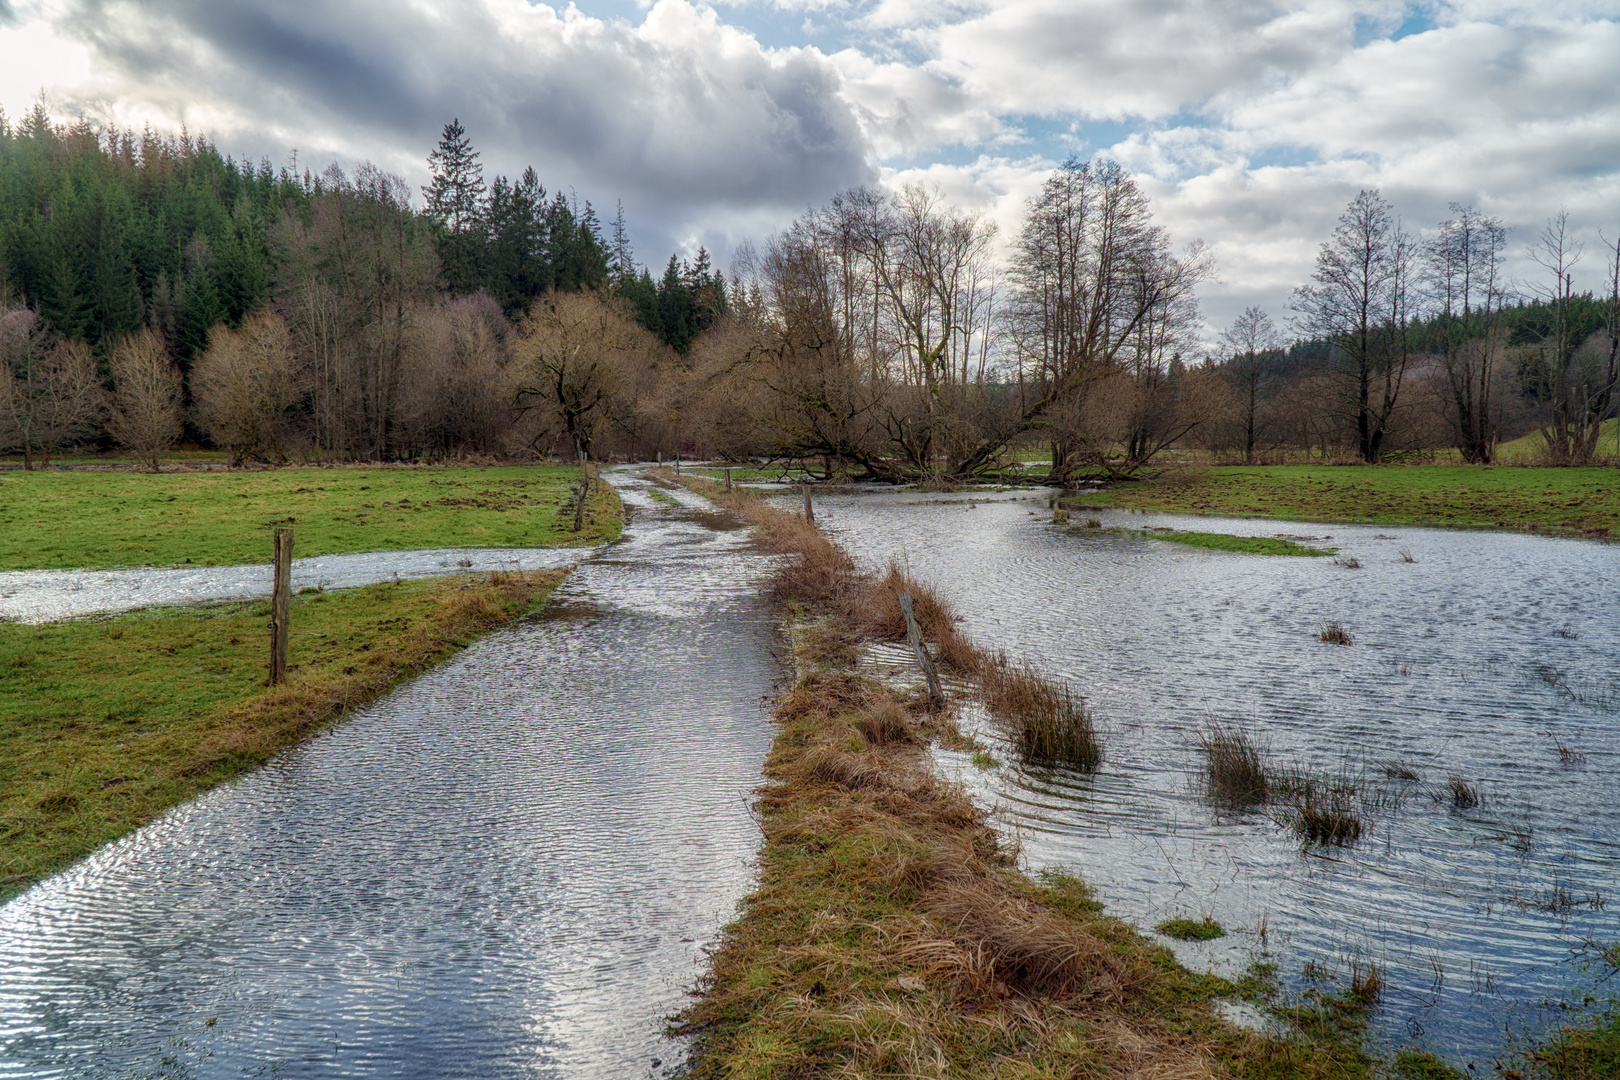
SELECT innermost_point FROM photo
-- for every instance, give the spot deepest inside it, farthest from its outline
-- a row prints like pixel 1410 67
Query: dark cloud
pixel 696 127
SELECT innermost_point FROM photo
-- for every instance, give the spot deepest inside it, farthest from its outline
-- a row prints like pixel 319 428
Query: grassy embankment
pixel 65 520
pixel 892 933
pixel 107 722
pixel 1583 502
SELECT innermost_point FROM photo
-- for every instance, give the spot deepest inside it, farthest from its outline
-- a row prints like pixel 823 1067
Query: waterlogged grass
pixel 65 520
pixel 1583 501
pixel 1191 929
pixel 105 723
pixel 1247 545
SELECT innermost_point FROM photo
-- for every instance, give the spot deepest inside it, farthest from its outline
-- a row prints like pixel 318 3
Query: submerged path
pixel 506 868
pixel 36 596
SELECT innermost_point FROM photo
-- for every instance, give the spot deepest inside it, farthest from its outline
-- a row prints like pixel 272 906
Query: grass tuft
pixel 1334 633
pixel 1326 818
pixel 1459 792
pixel 1048 724
pixel 1234 767
pixel 1191 929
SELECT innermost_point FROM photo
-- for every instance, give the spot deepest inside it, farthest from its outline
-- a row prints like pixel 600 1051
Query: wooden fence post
pixel 281 605
pixel 728 479
pixel 579 502
pixel 809 511
pixel 923 659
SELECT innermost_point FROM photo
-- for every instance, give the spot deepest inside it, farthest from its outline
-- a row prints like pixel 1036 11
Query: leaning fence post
pixel 809 511
pixel 281 605
pixel 923 660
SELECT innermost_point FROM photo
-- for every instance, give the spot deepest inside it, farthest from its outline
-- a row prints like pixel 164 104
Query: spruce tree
pixel 455 196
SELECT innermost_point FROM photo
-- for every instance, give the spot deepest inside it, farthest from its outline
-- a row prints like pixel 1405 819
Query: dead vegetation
pixel 1048 724
pixel 891 932
pixel 1234 767
pixel 1334 633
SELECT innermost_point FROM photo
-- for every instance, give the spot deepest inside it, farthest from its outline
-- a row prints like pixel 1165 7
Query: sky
pixel 1250 123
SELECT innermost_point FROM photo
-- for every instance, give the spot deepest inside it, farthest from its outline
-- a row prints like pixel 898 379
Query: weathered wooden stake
pixel 281 605
pixel 809 511
pixel 923 659
pixel 728 479
pixel 579 502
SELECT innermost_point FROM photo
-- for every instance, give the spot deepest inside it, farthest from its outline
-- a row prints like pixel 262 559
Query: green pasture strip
pixel 1583 501
pixel 65 520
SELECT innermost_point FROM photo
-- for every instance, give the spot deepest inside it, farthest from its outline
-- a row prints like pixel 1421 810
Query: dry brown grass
pixel 1334 633
pixel 1047 723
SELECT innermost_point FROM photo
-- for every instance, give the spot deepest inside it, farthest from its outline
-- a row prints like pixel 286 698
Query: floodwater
pixel 36 596
pixel 508 867
pixel 1473 660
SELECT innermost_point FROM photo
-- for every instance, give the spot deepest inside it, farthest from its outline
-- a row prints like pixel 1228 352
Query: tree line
pixel 150 288
pixel 295 315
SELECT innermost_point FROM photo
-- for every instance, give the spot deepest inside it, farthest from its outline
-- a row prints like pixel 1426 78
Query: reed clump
pixel 1459 793
pixel 1234 766
pixel 1326 818
pixel 1334 633
pixel 1047 723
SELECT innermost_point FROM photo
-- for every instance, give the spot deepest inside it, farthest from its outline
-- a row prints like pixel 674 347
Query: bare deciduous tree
pixel 1361 301
pixel 1466 283
pixel 1575 379
pixel 1098 291
pixel 145 412
pixel 1252 341
pixel 49 394
pixel 248 386
pixel 574 353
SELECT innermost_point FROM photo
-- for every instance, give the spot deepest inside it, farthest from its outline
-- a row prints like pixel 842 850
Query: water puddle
pixel 509 867
pixel 1474 659
pixel 36 596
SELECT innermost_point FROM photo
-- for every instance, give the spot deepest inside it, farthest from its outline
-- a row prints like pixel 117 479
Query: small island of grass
pixel 1191 929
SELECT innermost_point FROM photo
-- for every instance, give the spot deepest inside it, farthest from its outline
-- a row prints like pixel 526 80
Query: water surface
pixel 36 596
pixel 506 868
pixel 1471 661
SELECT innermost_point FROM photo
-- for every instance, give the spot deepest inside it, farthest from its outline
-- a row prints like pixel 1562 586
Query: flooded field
pixel 506 868
pixel 35 596
pixel 1475 656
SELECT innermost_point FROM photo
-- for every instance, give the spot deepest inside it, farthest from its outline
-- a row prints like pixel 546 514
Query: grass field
pixel 105 723
pixel 1579 501
pixel 1525 448
pixel 65 520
